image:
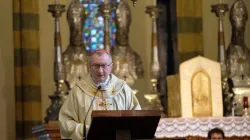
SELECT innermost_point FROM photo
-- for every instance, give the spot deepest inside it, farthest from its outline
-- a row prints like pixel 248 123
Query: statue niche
pixel 75 56
pixel 237 54
pixel 127 63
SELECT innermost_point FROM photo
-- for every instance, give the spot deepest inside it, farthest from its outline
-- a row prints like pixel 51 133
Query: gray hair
pixel 100 53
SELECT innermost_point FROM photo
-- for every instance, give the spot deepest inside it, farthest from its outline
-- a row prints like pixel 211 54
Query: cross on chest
pixel 104 103
pixel 242 76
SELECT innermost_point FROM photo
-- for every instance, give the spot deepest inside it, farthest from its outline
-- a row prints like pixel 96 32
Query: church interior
pixel 187 58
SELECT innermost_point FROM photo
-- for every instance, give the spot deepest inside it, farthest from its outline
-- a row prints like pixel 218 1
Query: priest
pixel 114 94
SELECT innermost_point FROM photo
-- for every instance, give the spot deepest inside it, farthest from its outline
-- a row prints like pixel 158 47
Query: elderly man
pixel 114 94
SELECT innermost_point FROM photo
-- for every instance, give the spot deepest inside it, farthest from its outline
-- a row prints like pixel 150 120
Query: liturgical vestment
pixel 115 94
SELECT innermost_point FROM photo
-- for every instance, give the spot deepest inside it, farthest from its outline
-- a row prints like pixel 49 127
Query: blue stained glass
pixel 93 39
pixel 101 46
pixel 86 23
pixel 93 29
pixel 113 14
pixel 87 48
pixel 100 19
pixel 93 46
pixel 93 32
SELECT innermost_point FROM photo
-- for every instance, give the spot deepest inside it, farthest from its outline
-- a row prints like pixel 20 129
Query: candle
pixel 57 1
pixel 220 1
pixel 245 102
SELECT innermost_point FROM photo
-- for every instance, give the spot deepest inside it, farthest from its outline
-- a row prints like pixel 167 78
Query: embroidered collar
pixel 113 86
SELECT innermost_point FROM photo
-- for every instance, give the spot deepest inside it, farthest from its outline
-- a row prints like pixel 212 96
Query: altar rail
pixel 199 127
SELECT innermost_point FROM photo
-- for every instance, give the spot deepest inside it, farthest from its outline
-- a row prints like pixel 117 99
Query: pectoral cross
pixel 104 103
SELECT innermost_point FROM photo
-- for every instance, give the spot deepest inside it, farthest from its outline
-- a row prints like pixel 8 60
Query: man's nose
pixel 100 69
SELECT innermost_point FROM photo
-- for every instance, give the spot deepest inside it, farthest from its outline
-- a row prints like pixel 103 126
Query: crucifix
pixel 104 104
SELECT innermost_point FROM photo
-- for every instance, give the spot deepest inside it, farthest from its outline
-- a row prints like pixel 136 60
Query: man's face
pixel 100 67
pixel 216 136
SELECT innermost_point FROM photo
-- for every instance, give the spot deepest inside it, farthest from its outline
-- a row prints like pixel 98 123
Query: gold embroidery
pixel 201 94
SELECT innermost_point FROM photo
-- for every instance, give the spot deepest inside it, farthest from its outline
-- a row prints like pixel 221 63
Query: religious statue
pixel 237 54
pixel 75 56
pixel 127 63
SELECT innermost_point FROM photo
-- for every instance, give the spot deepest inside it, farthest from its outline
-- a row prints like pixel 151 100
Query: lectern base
pixel 49 131
pixel 123 135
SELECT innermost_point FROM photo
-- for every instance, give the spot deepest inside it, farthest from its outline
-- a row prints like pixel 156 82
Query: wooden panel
pixel 50 131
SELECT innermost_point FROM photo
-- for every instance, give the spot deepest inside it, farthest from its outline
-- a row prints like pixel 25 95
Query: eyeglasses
pixel 97 66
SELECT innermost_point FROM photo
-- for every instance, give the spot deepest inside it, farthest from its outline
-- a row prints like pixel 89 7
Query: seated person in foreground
pixel 114 94
pixel 216 134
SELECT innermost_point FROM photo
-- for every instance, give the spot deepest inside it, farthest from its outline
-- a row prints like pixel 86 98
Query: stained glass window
pixel 93 29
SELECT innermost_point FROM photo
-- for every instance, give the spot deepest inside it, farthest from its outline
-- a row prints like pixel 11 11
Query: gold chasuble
pixel 115 95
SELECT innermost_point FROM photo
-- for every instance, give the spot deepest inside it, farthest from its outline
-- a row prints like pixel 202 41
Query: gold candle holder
pixel 59 72
pixel 153 96
pixel 220 10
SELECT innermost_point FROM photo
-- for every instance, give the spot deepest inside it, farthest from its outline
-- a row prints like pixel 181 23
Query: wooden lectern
pixel 123 125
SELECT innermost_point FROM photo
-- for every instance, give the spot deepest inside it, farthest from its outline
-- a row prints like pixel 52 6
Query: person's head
pixel 75 20
pixel 100 65
pixel 216 134
pixel 238 15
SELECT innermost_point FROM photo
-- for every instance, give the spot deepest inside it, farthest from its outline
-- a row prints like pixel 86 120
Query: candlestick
pixel 245 102
pixel 233 107
pixel 59 70
pixel 152 97
pixel 154 2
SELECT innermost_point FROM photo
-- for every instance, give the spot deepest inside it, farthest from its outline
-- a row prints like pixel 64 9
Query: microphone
pixel 84 123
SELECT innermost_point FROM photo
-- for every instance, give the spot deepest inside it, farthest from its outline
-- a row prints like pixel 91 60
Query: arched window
pixel 93 28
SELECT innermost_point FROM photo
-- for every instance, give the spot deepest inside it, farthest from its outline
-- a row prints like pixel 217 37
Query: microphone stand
pixel 84 123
